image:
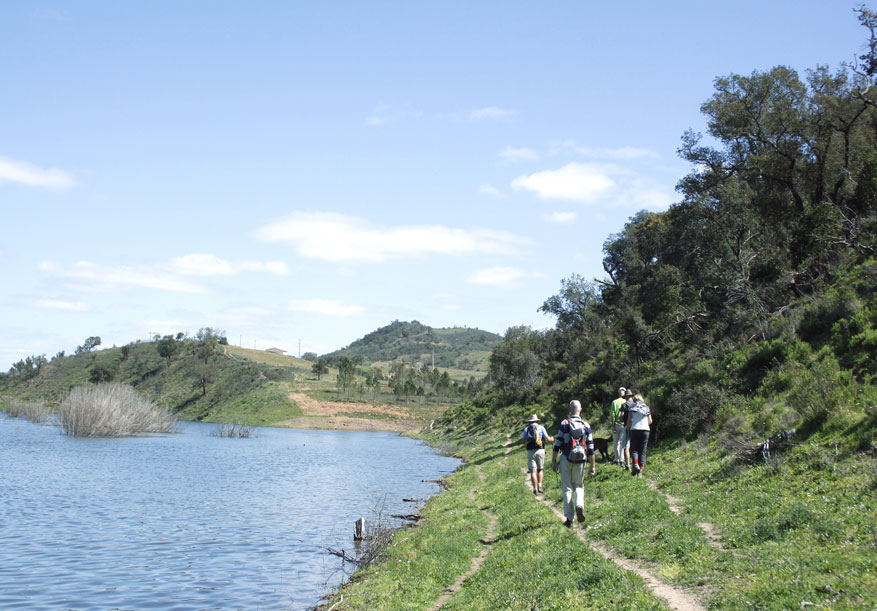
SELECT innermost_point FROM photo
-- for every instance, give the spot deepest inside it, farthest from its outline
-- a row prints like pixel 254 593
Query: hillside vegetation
pixel 203 378
pixel 457 348
pixel 748 306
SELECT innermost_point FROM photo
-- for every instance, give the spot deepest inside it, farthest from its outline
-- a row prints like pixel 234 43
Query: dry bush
pixel 35 411
pixel 111 410
pixel 227 429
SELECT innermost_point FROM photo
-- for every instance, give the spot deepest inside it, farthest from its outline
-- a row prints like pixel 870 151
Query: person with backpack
pixel 534 438
pixel 575 444
pixel 639 421
pixel 617 423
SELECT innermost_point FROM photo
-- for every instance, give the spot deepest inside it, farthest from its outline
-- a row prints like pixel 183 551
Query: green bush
pixel 690 409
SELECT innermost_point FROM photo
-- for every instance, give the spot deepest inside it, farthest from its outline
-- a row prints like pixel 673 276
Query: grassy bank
pixel 799 529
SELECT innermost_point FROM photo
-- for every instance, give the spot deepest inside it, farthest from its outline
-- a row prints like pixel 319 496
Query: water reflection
pixel 190 520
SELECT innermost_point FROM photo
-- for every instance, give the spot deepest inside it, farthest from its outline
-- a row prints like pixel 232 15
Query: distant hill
pixel 459 348
pixel 198 380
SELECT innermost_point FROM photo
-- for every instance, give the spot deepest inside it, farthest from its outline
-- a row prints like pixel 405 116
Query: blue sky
pixel 290 171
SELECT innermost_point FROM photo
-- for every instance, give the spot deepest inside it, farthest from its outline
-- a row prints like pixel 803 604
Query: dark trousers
pixel 638 442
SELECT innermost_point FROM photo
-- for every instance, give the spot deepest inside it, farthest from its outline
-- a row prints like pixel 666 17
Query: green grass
pixel 802 528
pixel 263 406
pixel 533 562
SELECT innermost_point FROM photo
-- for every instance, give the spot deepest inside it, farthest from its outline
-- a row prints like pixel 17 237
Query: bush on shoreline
pixel 35 411
pixel 111 410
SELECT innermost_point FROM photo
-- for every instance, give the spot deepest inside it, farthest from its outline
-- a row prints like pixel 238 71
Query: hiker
pixel 534 438
pixel 575 444
pixel 639 421
pixel 617 427
pixel 624 440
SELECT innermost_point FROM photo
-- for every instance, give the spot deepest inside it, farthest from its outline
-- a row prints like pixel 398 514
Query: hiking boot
pixel 634 470
pixel 567 523
pixel 535 491
pixel 580 514
pixel 540 490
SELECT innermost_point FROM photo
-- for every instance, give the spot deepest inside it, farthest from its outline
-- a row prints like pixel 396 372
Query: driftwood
pixel 409 500
pixel 343 555
pixel 440 482
pixel 359 529
pixel 406 516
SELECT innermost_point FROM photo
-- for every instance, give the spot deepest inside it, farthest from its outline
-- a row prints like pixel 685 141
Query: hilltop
pixel 457 347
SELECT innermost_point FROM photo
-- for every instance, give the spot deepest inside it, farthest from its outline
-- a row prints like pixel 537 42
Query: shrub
pixel 818 391
pixel 111 410
pixel 229 429
pixel 35 411
pixel 691 409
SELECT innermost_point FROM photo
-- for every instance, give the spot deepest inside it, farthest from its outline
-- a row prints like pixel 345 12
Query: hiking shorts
pixel 535 459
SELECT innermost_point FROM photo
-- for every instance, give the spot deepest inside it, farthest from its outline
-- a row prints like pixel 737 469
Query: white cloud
pixel 58 304
pixel 490 112
pixel 512 155
pixel 173 276
pixel 579 182
pixel 622 153
pixel 211 265
pixel 607 185
pixel 32 176
pixel 383 113
pixel 340 238
pixel 505 277
pixel 561 218
pixel 488 189
pixel 327 307
pixel 108 277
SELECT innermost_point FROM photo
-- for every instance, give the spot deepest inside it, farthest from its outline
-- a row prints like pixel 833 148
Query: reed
pixel 35 411
pixel 111 410
pixel 233 429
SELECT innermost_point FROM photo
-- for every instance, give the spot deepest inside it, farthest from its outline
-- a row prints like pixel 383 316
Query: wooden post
pixel 359 529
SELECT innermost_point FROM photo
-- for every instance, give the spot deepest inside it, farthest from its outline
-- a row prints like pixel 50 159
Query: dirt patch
pixel 341 416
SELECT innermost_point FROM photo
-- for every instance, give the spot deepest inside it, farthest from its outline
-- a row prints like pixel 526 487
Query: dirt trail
pixel 334 415
pixel 487 541
pixel 676 598
pixel 714 540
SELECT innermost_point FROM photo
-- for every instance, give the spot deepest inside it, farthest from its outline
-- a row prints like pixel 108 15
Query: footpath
pixel 489 543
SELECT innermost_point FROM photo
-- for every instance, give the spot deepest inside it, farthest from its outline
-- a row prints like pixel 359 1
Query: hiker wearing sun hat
pixel 534 438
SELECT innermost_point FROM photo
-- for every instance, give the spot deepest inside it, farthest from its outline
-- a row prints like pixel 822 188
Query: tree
pixel 99 373
pixel 319 368
pixel 167 347
pixel 88 345
pixel 205 374
pixel 310 356
pixel 346 372
pixel 516 361
pixel 28 367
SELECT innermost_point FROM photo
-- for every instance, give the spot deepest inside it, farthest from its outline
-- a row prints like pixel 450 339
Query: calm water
pixel 189 520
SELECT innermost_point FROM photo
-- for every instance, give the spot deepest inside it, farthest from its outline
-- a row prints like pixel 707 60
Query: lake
pixel 190 520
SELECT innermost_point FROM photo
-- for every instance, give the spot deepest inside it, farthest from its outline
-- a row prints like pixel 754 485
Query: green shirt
pixel 615 410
